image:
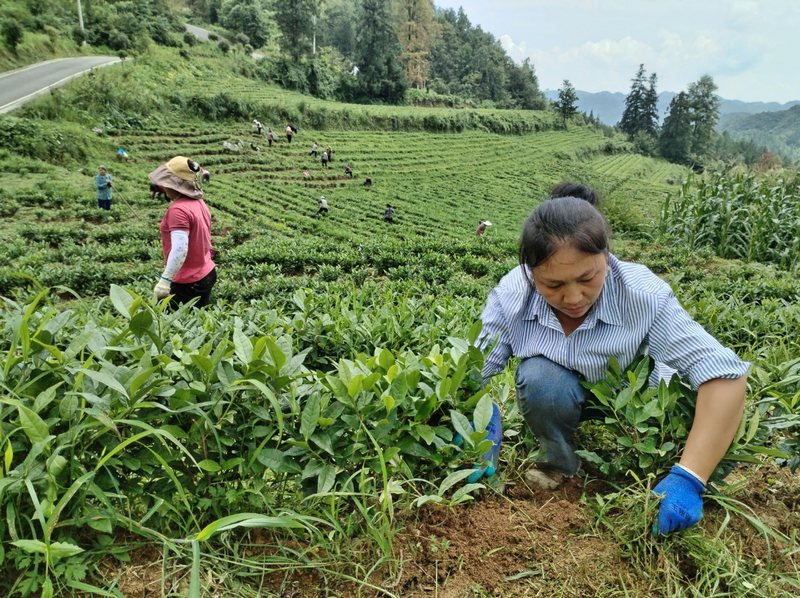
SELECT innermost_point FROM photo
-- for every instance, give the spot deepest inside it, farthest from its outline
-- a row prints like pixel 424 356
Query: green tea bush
pixel 133 418
pixel 646 426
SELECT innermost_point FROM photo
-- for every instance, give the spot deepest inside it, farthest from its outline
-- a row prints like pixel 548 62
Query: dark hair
pixel 568 189
pixel 561 221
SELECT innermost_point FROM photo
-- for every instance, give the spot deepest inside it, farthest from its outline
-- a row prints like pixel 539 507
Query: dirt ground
pixel 517 542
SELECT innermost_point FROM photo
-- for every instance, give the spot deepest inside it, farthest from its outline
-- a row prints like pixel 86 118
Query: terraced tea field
pixel 264 204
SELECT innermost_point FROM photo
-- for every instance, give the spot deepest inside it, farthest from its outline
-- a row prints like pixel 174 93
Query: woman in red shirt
pixel 189 270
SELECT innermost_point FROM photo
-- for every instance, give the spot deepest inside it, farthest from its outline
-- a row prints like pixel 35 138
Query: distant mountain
pixel 778 130
pixel 608 106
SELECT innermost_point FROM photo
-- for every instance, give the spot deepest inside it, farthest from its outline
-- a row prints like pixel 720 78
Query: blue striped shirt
pixel 636 313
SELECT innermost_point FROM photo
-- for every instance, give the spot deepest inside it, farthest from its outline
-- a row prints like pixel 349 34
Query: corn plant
pixel 738 216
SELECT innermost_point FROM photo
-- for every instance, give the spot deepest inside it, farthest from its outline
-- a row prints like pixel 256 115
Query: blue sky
pixel 750 47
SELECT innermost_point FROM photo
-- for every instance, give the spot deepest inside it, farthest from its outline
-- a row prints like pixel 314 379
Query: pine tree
pixel 675 141
pixel 632 119
pixel 566 105
pixel 381 75
pixel 649 116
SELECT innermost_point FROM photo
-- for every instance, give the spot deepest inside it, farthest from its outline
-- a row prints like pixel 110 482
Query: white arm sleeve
pixel 177 253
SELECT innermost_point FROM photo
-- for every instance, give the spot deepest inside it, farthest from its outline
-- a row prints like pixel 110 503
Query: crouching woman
pixel 568 307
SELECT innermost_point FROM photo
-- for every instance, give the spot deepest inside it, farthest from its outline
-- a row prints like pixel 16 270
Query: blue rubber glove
pixel 682 502
pixel 495 434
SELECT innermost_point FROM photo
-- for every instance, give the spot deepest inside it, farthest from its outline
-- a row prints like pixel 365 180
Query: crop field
pixel 298 437
pixel 264 201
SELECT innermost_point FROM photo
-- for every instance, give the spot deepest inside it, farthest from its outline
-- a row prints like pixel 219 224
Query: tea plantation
pixel 298 437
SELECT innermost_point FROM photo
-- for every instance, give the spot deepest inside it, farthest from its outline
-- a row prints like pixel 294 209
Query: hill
pixel 609 106
pixel 779 131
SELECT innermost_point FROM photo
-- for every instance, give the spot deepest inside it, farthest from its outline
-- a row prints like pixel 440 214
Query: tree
pixel 12 34
pixel 566 105
pixel 246 16
pixel 640 117
pixel 381 75
pixel 634 104
pixel 416 30
pixel 523 86
pixel 296 20
pixel 705 114
pixel 675 141
pixel 649 123
pixel 338 28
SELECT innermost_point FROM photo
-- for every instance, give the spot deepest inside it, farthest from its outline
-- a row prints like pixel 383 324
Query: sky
pixel 750 47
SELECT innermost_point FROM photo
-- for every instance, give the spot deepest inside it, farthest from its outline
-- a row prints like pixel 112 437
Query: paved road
pixel 22 85
pixel 198 32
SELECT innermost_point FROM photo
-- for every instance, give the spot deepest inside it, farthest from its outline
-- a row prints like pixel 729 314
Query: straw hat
pixel 179 174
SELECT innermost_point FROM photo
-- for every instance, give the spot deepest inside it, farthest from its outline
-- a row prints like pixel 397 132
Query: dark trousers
pixel 104 204
pixel 185 292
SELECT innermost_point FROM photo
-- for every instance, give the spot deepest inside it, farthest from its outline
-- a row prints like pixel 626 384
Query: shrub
pixel 12 35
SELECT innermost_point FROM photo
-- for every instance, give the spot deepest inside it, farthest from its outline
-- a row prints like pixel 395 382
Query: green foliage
pixel 132 412
pixel 245 17
pixel 675 140
pixel 380 77
pixel 30 138
pixel 646 426
pixel 640 117
pixel 740 216
pixel 12 34
pixel 567 104
pixel 295 19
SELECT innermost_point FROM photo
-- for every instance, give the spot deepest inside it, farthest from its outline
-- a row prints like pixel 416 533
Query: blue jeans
pixel 551 400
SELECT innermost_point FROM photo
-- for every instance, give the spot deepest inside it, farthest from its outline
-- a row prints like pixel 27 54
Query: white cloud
pixel 748 46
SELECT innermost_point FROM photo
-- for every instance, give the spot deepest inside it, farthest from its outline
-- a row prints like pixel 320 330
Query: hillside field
pixel 297 438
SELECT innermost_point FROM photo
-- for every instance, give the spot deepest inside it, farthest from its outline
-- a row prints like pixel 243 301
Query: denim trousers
pixel 551 401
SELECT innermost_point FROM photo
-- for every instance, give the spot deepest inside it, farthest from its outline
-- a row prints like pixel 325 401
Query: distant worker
pixel 368 182
pixel 348 170
pixel 270 137
pixel 314 149
pixel 122 155
pixel 103 183
pixel 289 133
pixel 323 206
pixel 257 126
pixel 330 154
pixel 324 159
pixel 388 214
pixel 189 270
pixel 482 227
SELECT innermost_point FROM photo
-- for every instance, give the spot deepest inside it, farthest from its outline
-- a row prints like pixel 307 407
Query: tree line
pixel 389 51
pixel 688 134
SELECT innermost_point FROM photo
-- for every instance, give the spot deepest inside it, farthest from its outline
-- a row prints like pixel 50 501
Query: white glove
pixel 161 289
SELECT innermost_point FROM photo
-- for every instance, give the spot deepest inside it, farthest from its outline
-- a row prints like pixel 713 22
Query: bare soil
pixel 513 542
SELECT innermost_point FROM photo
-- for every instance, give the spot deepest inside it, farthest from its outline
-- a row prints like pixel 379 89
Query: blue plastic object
pixel 682 501
pixel 495 434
